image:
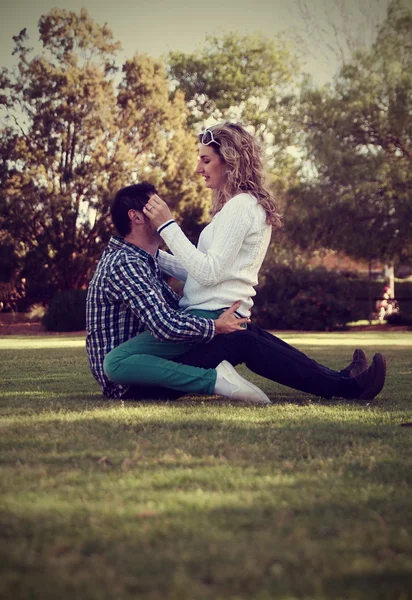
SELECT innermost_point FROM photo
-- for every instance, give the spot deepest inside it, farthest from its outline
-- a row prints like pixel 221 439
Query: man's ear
pixel 135 216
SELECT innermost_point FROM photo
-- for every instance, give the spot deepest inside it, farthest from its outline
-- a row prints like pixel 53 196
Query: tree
pixel 358 197
pixel 331 31
pixel 251 78
pixel 58 140
pixel 153 127
pixel 72 137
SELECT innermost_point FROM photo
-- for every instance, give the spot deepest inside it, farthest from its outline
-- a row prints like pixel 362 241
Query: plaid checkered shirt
pixel 126 296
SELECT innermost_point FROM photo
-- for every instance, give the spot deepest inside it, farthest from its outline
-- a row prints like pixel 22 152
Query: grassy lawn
pixel 201 499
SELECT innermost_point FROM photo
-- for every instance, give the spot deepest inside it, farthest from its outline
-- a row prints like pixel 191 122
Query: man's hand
pixel 228 322
pixel 157 211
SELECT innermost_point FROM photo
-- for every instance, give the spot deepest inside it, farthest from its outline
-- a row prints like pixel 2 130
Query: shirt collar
pixel 118 243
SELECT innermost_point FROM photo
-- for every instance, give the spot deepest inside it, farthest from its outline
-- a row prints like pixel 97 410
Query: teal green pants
pixel 144 360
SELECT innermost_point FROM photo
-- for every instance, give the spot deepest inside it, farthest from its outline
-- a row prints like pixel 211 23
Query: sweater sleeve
pixel 229 234
pixel 170 265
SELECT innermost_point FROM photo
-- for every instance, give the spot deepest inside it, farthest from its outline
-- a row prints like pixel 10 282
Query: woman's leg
pixel 271 357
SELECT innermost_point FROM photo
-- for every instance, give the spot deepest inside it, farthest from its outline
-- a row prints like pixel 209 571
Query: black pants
pixel 270 357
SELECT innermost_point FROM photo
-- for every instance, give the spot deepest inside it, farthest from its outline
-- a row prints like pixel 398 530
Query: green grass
pixel 201 499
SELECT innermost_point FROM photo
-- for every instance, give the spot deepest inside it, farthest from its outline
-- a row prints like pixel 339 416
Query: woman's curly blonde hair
pixel 243 156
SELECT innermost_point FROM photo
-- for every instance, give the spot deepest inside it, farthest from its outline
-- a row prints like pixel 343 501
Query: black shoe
pixel 372 380
pixel 357 366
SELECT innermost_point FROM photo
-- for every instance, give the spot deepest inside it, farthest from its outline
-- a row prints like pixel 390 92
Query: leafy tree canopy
pixel 249 78
pixel 73 136
pixel 358 197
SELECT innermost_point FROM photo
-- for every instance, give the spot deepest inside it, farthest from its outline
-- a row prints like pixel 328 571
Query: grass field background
pixel 201 498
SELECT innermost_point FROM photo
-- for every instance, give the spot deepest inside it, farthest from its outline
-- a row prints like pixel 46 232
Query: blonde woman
pixel 225 265
pixel 219 274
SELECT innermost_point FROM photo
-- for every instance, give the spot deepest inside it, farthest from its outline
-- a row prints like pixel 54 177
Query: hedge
pixel 320 300
pixel 67 311
pixel 300 299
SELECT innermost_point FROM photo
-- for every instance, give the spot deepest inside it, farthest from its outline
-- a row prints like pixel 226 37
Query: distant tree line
pixel 76 128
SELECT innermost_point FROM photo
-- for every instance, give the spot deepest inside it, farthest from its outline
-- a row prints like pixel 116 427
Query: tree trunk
pixel 370 303
pixel 390 277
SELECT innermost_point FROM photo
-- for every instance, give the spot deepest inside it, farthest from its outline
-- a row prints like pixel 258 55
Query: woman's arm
pixel 230 231
pixel 169 264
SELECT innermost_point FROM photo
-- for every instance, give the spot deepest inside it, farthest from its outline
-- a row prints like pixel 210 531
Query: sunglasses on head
pixel 207 138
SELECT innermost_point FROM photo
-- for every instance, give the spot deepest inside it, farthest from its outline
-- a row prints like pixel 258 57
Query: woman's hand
pixel 228 322
pixel 157 211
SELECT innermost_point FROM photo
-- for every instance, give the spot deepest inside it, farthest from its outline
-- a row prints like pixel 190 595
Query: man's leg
pixel 141 361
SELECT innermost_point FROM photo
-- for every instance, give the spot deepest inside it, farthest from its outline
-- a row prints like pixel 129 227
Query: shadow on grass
pixel 275 548
pixel 178 439
pixel 391 584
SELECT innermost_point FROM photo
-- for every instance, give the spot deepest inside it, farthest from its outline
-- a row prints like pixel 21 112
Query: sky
pixel 160 26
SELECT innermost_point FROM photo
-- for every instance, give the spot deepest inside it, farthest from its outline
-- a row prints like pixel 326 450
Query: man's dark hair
pixel 130 197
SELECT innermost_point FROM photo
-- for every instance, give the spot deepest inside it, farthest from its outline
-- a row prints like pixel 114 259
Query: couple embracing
pixel 144 341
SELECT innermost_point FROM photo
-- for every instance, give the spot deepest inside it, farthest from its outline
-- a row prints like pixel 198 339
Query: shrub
pixel 399 319
pixel 360 293
pixel 365 294
pixel 67 311
pixel 321 300
pixel 39 285
pixel 403 294
pixel 303 299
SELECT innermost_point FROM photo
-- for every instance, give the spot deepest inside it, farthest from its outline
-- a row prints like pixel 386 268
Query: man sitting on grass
pixel 127 295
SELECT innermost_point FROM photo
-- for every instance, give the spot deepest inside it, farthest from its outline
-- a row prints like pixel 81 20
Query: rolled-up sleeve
pixel 146 300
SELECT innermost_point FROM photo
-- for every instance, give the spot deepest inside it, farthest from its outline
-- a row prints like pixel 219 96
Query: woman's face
pixel 212 167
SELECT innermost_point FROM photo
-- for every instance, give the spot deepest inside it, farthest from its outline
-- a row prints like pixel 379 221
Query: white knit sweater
pixel 225 265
